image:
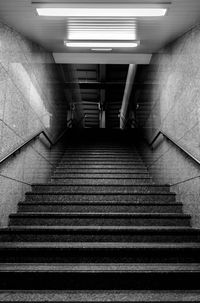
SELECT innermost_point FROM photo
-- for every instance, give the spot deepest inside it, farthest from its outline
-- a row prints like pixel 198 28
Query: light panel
pixel 94 27
pixel 96 44
pixel 102 35
pixel 101 49
pixel 100 12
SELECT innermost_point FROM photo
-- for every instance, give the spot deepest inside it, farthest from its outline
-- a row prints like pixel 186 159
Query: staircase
pixel 100 230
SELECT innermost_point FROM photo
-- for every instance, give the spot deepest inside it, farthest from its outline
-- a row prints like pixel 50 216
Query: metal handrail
pixel 34 137
pixel 28 141
pixel 175 143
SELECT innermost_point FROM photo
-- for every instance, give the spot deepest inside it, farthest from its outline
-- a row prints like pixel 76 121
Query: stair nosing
pixel 150 229
pixel 91 178
pixel 102 203
pixel 102 245
pixel 101 267
pixel 97 185
pixel 99 214
pixel 117 296
pixel 99 193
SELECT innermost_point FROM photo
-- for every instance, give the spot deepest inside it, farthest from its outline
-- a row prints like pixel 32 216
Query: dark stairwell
pixel 100 230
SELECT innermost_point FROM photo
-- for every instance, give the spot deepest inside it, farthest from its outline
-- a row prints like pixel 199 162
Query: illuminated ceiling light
pixel 101 12
pixel 97 23
pixel 98 44
pixel 75 28
pixel 101 19
pixel 101 49
pixel 102 35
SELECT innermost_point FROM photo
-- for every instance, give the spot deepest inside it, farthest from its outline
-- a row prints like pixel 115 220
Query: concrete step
pixel 97 252
pixel 120 149
pixel 101 153
pixel 103 170
pixel 101 188
pixel 100 197
pixel 88 160
pixel 101 165
pixel 92 157
pixel 101 181
pixel 38 206
pixel 101 219
pixel 101 234
pixel 117 164
pixel 147 296
pixel 101 146
pixel 89 276
pixel 100 175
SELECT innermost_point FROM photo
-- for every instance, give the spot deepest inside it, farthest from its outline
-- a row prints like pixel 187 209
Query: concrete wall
pixel 170 101
pixel 30 100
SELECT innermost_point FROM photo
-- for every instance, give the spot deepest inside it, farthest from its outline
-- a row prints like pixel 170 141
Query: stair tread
pixel 100 203
pixel 100 235
pixel 100 267
pixel 134 296
pixel 99 185
pixel 99 193
pixel 157 229
pixel 111 214
pixel 100 245
pixel 91 178
pixel 100 172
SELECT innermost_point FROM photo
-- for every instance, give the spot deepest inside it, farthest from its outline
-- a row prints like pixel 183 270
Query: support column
pixel 102 119
pixel 127 92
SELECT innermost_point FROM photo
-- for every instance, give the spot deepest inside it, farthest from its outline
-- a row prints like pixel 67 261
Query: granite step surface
pixel 106 276
pixel 88 160
pixel 100 197
pixel 101 234
pixel 100 175
pixel 103 158
pixel 100 219
pixel 103 170
pixel 89 180
pixel 100 225
pixel 100 188
pixel 144 296
pixel 128 166
pixel 39 206
pixel 98 252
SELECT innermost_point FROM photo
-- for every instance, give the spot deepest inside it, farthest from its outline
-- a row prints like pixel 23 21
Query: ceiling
pixel 100 85
pixel 51 32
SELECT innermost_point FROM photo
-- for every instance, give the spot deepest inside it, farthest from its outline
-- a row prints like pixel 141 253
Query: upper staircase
pixel 100 230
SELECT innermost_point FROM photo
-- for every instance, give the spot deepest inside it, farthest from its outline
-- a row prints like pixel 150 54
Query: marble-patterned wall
pixel 171 102
pixel 31 100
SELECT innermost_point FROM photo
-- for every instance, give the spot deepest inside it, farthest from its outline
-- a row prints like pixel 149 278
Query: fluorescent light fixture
pixel 96 44
pixel 97 23
pixel 100 12
pixel 101 49
pixel 102 35
pixel 101 19
pixel 91 27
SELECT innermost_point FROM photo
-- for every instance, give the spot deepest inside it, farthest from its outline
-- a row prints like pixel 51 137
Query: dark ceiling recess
pixel 101 88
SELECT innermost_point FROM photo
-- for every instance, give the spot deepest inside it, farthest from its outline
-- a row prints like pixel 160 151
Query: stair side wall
pixel 170 102
pixel 30 101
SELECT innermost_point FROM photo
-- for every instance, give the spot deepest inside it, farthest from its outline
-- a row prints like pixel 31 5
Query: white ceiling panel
pixel 51 32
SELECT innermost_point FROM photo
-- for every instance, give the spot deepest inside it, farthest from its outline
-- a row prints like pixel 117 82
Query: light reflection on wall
pixel 33 96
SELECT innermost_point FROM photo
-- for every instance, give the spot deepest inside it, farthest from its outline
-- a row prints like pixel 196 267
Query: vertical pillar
pixel 127 92
pixel 102 119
